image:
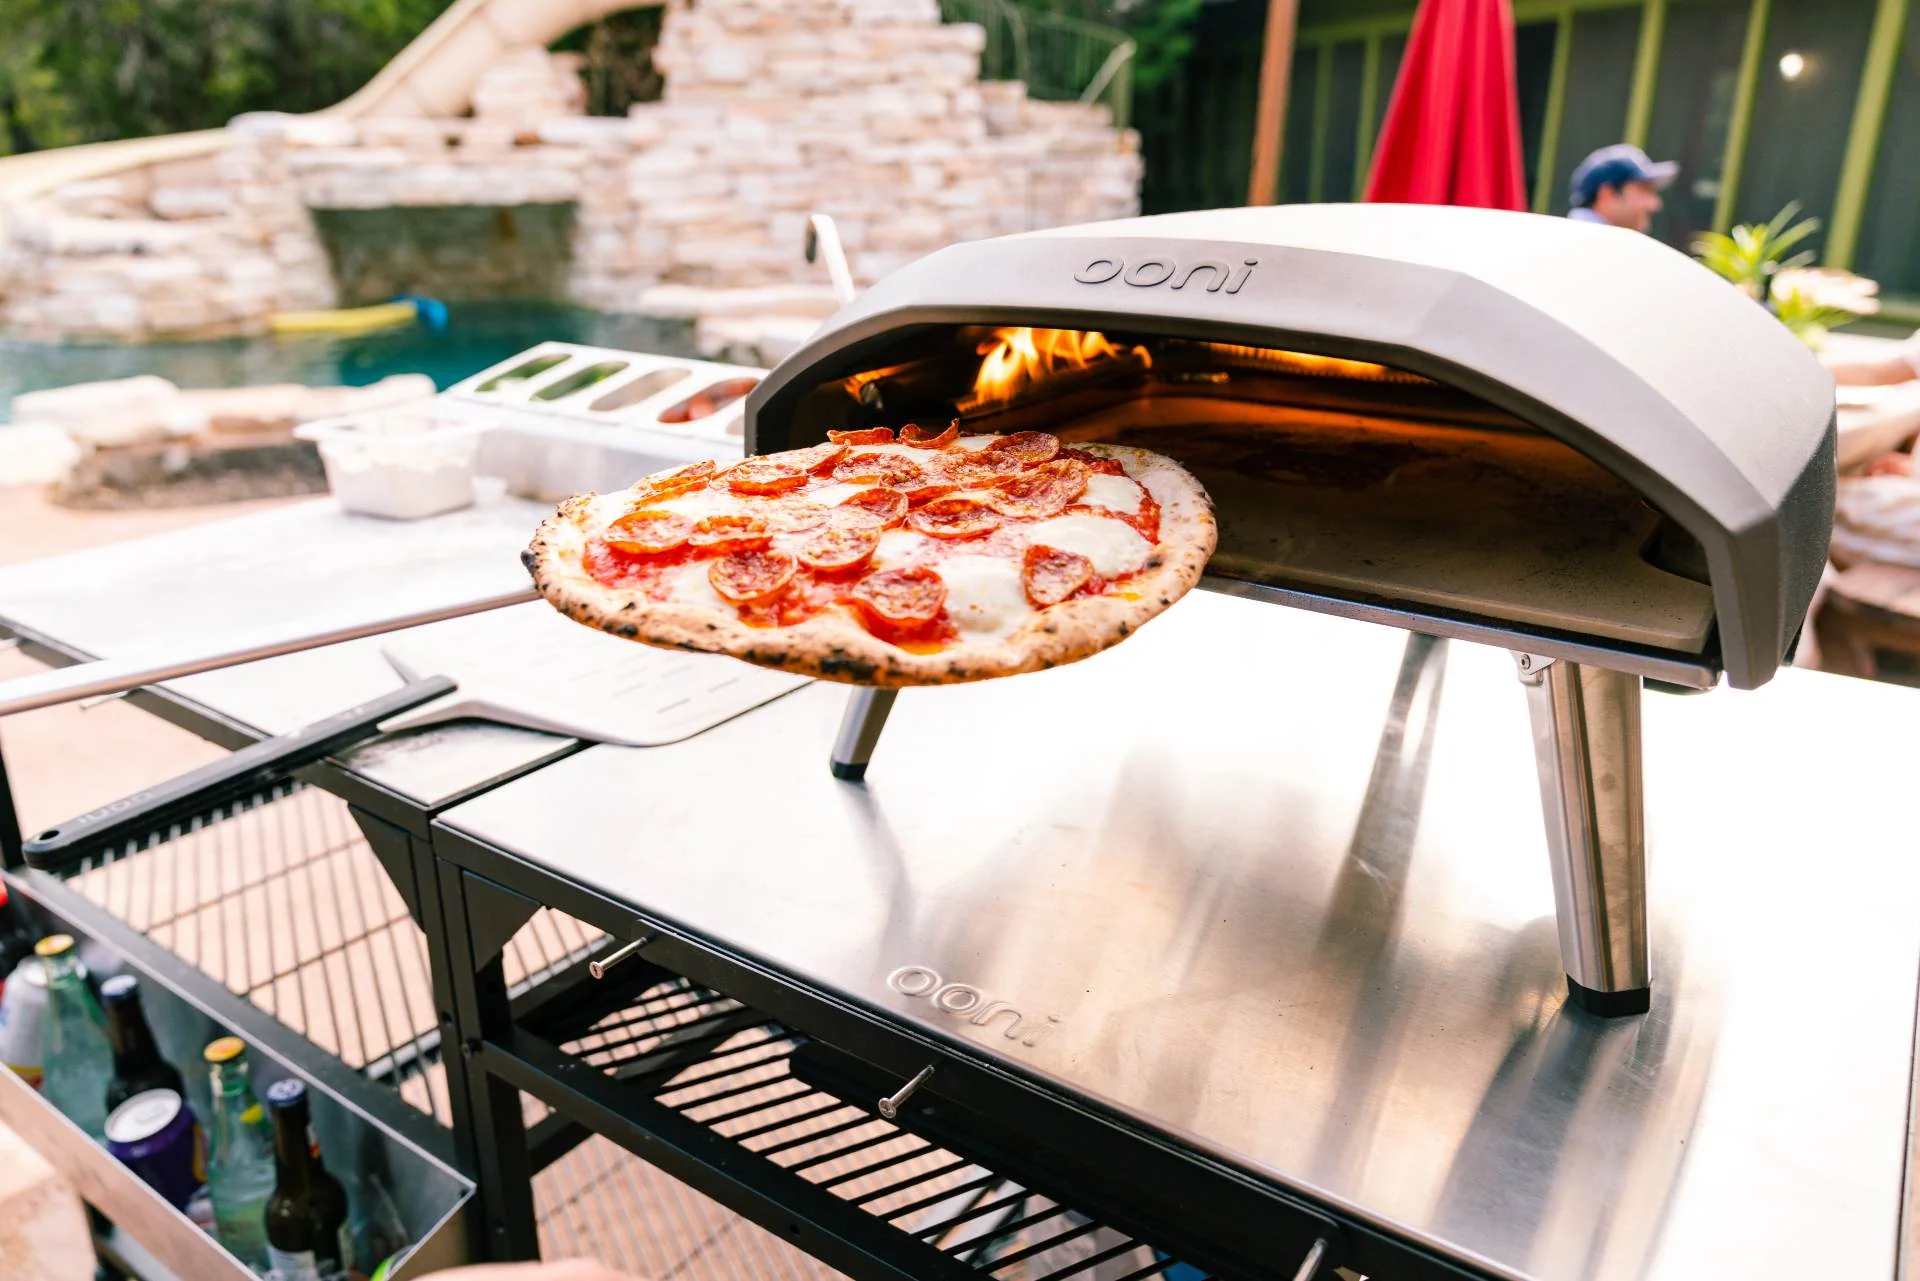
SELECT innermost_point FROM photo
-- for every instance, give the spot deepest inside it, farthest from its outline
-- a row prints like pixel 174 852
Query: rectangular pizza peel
pixel 531 667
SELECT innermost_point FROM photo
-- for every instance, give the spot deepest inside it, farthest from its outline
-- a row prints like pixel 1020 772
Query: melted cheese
pixel 692 587
pixel 834 495
pixel 1114 547
pixel 985 598
pixel 1115 493
pixel 898 546
pixel 700 502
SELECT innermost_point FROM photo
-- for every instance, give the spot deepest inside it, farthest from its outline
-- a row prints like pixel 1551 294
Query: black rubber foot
pixel 849 773
pixel 1610 1005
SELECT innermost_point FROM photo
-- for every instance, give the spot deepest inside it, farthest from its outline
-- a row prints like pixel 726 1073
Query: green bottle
pixel 79 1063
pixel 239 1156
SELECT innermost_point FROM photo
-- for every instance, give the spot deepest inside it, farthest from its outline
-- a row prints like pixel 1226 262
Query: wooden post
pixel 1270 118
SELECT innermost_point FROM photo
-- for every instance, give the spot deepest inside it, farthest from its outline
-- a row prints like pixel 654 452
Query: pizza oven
pixel 1562 439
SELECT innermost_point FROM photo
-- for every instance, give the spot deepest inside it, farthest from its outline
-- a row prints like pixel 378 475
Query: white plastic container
pixel 404 464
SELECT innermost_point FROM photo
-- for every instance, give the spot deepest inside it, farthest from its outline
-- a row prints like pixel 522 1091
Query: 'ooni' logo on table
pixel 964 1001
pixel 1150 273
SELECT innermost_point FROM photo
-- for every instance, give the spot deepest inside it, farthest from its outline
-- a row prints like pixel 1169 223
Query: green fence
pixel 1061 58
pixel 1760 101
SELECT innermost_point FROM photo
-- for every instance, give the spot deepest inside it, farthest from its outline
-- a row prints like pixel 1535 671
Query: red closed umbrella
pixel 1452 132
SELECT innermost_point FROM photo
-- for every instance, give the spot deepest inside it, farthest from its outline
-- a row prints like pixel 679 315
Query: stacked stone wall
pixel 870 110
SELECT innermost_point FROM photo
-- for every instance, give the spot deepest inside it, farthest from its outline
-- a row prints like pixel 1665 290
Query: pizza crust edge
pixel 835 646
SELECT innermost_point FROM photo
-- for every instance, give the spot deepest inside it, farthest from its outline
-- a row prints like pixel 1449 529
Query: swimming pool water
pixel 477 335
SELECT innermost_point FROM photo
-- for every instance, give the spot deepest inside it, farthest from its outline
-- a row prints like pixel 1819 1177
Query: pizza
pixel 926 559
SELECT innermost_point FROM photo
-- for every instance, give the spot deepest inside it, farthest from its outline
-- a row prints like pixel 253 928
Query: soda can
pixel 153 1135
pixel 23 1021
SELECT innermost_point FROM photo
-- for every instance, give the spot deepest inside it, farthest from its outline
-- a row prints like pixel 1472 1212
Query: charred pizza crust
pixel 835 645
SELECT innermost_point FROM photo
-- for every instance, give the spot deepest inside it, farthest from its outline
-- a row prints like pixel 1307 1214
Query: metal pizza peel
pixel 531 667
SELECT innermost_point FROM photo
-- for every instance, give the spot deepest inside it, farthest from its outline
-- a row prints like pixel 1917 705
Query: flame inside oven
pixel 1016 360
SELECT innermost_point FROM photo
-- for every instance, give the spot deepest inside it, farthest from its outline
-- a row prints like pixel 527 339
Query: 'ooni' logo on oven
pixel 1149 273
pixel 964 1001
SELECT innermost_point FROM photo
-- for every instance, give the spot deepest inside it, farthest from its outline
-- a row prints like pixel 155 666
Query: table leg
pixel 496 1137
pixel 11 857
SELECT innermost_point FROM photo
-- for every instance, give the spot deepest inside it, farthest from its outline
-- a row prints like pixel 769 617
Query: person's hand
pixel 557 1270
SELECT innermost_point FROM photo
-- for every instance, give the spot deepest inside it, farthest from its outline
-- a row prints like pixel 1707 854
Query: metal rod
pixel 119 675
pixel 823 242
pixel 598 968
pixel 1863 136
pixel 1555 112
pixel 1734 158
pixel 1586 739
pixel 860 728
pixel 890 1106
pixel 1368 116
pixel 1646 71
pixel 1311 1264
pixel 1317 125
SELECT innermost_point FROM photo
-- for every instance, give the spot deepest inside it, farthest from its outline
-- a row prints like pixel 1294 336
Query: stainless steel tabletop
pixel 1280 881
pixel 308 562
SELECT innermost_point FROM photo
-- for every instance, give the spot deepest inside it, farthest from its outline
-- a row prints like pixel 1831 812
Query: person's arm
pixel 1894 365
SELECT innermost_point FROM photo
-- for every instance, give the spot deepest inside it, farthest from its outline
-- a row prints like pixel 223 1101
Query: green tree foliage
pixel 85 70
pixel 617 59
pixel 1162 30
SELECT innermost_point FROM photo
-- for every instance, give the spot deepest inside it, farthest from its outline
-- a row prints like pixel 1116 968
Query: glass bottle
pixel 137 1065
pixel 78 1062
pixel 240 1170
pixel 307 1214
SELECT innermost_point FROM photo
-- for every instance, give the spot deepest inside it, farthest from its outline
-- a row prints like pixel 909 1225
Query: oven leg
pixel 1586 742
pixel 860 729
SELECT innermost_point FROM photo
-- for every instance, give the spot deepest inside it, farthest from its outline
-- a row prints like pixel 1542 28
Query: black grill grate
pixel 279 898
pixel 727 1067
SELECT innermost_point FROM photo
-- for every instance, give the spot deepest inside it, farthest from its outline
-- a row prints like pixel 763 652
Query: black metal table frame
pixel 396 829
pixel 470 899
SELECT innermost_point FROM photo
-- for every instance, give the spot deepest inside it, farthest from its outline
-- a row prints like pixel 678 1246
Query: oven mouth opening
pixel 1336 477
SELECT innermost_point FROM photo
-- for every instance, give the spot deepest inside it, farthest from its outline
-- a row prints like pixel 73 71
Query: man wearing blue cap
pixel 1619 186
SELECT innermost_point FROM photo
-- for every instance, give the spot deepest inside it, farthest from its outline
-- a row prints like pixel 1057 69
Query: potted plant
pixel 1761 262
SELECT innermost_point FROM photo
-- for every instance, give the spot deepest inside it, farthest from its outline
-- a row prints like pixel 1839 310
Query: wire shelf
pixel 279 898
pixel 601 1202
pixel 729 1068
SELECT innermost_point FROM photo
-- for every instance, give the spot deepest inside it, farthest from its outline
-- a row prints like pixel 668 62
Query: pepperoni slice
pixel 902 596
pixel 819 459
pixel 921 440
pixel 955 518
pixel 759 477
pixel 1051 575
pixel 1030 447
pixel 1044 491
pixel 871 436
pixel 880 469
pixel 834 548
pixel 731 533
pixel 1105 466
pixel 878 506
pixel 980 467
pixel 921 495
pixel 747 578
pixel 654 488
pixel 648 533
